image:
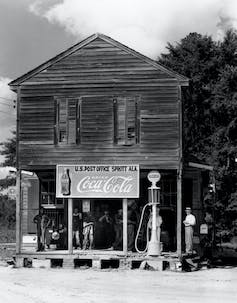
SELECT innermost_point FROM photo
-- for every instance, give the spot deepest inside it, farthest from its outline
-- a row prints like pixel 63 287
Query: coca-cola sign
pixel 97 181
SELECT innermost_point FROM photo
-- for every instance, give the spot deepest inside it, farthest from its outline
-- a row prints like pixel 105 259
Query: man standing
pixel 189 223
pixel 108 229
pixel 42 221
pixel 77 228
pixel 118 243
pixel 131 223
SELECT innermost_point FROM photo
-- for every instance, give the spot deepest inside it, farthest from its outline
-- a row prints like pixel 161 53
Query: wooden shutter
pixel 72 120
pixel 137 119
pixel 131 121
pixel 63 120
pixel 56 121
pixel 78 121
pixel 126 120
pixel 67 124
pixel 121 121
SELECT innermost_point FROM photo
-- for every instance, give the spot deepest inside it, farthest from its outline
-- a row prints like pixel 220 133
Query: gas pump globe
pixel 154 200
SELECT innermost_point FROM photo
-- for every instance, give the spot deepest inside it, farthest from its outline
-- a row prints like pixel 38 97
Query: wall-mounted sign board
pixel 97 181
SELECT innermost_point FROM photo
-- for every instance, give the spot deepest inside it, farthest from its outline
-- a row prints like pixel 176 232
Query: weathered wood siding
pixel 96 73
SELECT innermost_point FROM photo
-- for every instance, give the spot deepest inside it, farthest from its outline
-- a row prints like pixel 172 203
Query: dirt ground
pixel 133 286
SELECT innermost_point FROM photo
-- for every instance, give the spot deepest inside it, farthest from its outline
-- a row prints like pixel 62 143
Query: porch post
pixel 70 246
pixel 18 212
pixel 18 178
pixel 179 213
pixel 125 226
pixel 179 176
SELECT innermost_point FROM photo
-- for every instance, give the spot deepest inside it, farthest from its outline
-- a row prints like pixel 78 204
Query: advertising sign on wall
pixel 97 181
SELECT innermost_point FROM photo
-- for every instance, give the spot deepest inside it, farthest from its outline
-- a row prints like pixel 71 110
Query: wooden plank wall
pixel 101 71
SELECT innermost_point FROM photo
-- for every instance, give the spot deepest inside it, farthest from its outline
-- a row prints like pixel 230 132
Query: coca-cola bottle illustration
pixel 65 183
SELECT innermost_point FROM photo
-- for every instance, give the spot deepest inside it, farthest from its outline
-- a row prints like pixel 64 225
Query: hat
pixel 188 208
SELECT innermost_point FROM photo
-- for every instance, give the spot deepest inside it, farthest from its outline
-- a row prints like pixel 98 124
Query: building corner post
pixel 18 179
pixel 179 212
pixel 70 234
pixel 179 176
pixel 18 212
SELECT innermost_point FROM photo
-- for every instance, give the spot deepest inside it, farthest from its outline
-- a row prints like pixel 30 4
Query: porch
pixel 97 259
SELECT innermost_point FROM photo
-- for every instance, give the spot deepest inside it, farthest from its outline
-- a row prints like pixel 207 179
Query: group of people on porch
pixel 104 233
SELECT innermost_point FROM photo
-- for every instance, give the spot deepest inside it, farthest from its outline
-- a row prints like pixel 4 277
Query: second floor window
pixel 90 119
pixel 67 120
pixel 126 120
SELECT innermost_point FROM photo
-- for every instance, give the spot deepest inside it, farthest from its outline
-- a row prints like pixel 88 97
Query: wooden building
pixel 100 103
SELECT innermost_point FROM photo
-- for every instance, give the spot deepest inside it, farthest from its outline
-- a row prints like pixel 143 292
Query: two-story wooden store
pixel 99 117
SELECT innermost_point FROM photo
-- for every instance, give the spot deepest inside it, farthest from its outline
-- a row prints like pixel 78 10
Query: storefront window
pixel 47 194
pixel 169 193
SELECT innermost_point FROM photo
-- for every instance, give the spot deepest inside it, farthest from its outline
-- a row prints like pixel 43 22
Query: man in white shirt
pixel 189 223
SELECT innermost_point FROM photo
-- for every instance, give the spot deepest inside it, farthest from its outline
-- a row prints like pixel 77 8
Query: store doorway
pixel 101 224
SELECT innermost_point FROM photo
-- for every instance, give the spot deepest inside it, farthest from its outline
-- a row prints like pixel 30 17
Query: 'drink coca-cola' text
pixel 114 184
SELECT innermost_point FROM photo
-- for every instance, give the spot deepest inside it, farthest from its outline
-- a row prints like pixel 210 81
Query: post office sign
pixel 97 181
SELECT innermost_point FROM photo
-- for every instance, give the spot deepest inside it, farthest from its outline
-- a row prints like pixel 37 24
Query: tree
pixel 7 205
pixel 8 149
pixel 224 142
pixel 197 58
pixel 210 107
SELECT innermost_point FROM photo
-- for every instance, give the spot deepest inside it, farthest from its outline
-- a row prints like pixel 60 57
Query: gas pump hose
pixel 139 229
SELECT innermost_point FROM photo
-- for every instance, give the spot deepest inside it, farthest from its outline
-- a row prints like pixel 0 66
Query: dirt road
pixel 134 286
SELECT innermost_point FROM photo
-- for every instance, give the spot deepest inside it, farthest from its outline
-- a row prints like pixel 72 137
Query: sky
pixel 33 31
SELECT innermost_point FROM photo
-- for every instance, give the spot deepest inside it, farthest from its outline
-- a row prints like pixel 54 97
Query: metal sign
pixel 12 192
pixel 204 229
pixel 153 176
pixel 97 181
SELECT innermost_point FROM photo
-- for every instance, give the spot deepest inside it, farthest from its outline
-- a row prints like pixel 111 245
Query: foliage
pixel 7 211
pixel 8 150
pixel 6 182
pixel 7 205
pixel 210 112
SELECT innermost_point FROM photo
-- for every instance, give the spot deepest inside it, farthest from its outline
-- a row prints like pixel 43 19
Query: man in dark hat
pixel 189 223
pixel 132 221
pixel 42 221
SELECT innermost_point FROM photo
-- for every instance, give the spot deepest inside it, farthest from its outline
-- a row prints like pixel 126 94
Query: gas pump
pixel 153 247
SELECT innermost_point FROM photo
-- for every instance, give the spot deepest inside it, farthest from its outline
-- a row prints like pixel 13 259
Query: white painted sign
pixel 203 229
pixel 86 207
pixel 97 181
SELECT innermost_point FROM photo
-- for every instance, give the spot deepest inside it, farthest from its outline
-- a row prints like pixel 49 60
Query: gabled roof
pixel 181 79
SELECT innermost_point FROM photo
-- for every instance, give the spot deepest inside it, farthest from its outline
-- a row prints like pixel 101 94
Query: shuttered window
pixel 67 122
pixel 126 120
